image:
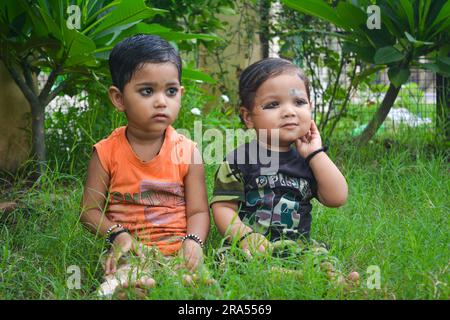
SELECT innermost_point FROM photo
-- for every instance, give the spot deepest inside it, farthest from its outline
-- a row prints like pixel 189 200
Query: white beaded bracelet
pixel 112 228
pixel 193 237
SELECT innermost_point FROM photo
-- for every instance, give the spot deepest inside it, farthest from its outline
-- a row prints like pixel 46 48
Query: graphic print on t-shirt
pixel 274 209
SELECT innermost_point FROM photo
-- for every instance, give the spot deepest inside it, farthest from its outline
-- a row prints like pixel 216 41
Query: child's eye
pixel 270 105
pixel 300 102
pixel 146 92
pixel 172 91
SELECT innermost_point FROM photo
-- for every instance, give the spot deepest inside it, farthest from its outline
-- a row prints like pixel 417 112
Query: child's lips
pixel 160 116
pixel 289 125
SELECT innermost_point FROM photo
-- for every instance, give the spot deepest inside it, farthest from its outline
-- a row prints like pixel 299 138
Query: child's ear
pixel 116 97
pixel 182 90
pixel 247 117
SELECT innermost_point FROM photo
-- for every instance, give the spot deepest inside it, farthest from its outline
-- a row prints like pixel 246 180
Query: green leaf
pixel 139 28
pixel 78 48
pixel 192 74
pixel 409 11
pixel 365 53
pixel 398 76
pixel 126 12
pixel 318 9
pixel 352 15
pixel 444 65
pixel 444 14
pixel 387 55
pixel 227 11
pixel 430 66
pixel 415 42
pixel 366 73
pixel 175 36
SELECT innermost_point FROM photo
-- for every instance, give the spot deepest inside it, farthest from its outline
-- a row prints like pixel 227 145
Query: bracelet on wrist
pixel 110 229
pixel 193 237
pixel 312 154
pixel 113 236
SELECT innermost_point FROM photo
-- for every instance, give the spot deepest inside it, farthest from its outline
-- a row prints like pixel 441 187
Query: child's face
pixel 282 107
pixel 151 100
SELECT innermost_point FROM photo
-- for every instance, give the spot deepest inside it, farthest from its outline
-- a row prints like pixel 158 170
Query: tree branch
pixel 54 93
pixel 46 91
pixel 27 92
pixel 27 74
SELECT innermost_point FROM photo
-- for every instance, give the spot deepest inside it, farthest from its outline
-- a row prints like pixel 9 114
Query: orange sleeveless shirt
pixel 148 197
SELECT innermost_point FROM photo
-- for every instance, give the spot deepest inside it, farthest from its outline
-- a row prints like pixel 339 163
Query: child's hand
pixel 309 142
pixel 193 254
pixel 255 243
pixel 123 243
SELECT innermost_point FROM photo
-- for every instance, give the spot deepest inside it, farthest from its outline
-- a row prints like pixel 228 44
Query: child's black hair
pixel 132 53
pixel 257 73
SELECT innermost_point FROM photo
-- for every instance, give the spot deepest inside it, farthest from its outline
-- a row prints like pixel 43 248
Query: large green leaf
pixel 132 29
pixel 387 55
pixel 363 52
pixel 444 65
pixel 318 9
pixel 444 14
pixel 409 12
pixel 176 36
pixel 78 48
pixel 352 15
pixel 192 74
pixel 398 76
pixel 142 28
pixel 124 13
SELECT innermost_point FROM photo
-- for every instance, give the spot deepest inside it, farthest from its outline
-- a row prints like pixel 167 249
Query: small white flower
pixel 196 111
pixel 225 98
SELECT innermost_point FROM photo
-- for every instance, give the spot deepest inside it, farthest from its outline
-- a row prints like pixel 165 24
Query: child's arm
pixel 230 225
pixel 197 211
pixel 227 220
pixel 332 188
pixel 92 216
pixel 94 198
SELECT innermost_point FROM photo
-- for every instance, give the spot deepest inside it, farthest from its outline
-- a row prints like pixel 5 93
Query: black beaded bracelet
pixel 193 237
pixel 113 235
pixel 312 154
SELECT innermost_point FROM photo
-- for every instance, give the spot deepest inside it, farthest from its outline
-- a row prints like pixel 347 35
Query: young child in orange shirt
pixel 145 188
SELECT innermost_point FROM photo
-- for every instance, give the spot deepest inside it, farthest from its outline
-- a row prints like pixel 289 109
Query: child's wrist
pixel 113 235
pixel 314 153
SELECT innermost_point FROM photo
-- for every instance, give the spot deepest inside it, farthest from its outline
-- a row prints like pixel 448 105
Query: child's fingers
pixel 314 128
pixel 139 250
pixel 192 263
pixel 110 264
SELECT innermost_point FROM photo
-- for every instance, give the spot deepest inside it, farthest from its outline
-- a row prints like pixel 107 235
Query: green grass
pixel 396 218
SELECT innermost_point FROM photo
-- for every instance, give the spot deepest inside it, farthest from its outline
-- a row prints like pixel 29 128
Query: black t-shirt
pixel 274 190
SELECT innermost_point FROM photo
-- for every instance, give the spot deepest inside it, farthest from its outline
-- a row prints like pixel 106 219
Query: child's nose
pixel 160 100
pixel 288 110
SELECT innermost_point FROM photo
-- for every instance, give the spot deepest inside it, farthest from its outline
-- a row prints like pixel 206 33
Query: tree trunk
pixel 264 12
pixel 379 116
pixel 38 132
pixel 442 107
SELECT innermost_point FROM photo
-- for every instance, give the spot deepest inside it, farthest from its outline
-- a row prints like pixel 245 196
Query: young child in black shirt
pixel 263 188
